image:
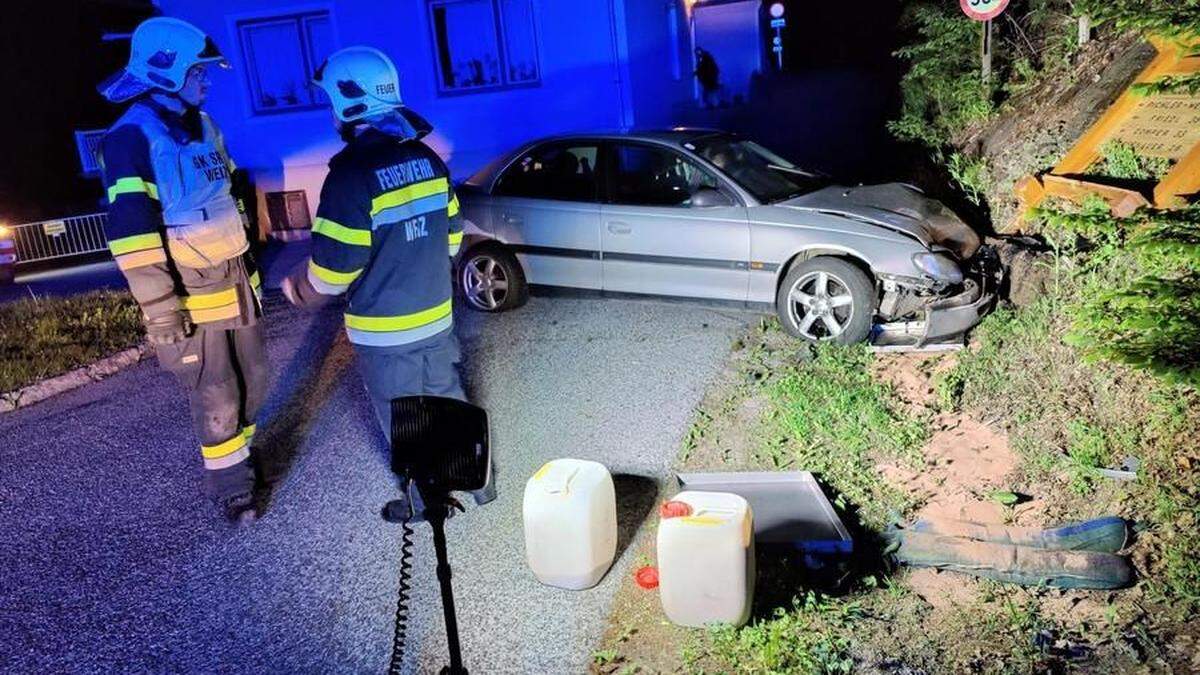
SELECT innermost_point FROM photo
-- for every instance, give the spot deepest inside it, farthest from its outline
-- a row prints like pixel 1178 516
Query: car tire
pixel 826 299
pixel 491 279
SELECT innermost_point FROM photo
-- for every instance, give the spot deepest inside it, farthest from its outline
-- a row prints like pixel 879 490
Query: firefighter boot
pixel 239 509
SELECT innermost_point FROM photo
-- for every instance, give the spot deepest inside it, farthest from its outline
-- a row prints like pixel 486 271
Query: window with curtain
pixel 281 54
pixel 484 44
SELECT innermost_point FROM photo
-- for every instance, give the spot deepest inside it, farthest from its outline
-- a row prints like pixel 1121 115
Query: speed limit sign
pixel 983 10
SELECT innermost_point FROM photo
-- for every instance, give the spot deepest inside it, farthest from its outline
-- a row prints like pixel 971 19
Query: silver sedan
pixel 714 216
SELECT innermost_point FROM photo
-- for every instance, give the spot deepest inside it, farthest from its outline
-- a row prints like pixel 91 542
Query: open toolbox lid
pixel 789 508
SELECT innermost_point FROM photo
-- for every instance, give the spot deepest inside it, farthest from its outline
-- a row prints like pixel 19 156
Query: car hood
pixel 896 207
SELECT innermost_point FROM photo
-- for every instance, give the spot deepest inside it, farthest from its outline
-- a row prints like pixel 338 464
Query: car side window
pixel 644 175
pixel 563 172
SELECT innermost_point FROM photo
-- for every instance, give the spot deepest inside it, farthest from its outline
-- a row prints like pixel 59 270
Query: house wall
pixel 660 67
pixel 582 83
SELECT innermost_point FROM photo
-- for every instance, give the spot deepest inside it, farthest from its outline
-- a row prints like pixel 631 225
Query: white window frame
pixel 298 18
pixel 501 46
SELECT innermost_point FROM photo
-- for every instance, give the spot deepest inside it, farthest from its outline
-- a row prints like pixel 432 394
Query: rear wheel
pixel 826 299
pixel 492 280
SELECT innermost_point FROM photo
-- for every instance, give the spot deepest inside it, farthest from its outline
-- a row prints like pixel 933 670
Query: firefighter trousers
pixel 429 368
pixel 225 373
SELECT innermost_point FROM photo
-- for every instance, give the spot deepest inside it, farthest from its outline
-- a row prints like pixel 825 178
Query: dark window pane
pixel 276 59
pixel 649 176
pixel 468 52
pixel 320 46
pixel 555 172
pixel 520 45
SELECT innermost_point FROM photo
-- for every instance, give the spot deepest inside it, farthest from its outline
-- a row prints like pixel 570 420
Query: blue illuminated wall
pixel 601 64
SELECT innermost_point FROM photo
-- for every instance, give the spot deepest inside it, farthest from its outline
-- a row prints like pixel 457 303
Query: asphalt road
pixel 110 562
pixel 64 281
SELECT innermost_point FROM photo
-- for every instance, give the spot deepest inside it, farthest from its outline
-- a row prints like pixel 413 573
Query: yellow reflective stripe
pixel 218 314
pixel 222 449
pixel 338 232
pixel 409 193
pixel 131 261
pixel 249 431
pixel 456 238
pixel 129 185
pixel 452 208
pixel 210 300
pixel 331 277
pixel 380 324
pixel 138 242
pixel 255 280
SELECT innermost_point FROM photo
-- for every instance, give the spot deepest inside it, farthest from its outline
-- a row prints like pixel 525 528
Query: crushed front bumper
pixel 948 319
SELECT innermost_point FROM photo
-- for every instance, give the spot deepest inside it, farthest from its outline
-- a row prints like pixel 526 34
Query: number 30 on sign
pixel 983 10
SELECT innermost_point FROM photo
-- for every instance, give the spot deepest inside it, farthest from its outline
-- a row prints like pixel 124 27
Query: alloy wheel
pixel 820 305
pixel 485 282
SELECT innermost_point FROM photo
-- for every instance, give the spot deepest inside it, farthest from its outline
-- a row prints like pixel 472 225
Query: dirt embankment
pixel 1036 127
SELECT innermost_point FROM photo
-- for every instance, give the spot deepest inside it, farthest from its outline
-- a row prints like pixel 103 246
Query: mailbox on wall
pixel 288 211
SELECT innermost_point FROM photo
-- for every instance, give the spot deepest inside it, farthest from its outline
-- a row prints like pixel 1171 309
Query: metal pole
pixel 437 521
pixel 987 51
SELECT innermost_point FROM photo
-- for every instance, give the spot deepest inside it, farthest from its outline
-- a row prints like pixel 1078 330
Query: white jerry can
pixel 706 559
pixel 570 511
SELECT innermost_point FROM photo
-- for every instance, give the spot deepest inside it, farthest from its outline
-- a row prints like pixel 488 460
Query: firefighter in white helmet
pixel 386 228
pixel 179 237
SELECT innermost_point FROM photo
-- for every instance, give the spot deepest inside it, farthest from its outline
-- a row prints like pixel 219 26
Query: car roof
pixel 674 136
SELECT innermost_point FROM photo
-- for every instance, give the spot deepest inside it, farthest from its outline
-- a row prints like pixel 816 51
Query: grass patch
pixel 49 336
pixel 813 636
pixel 1123 161
pixel 829 415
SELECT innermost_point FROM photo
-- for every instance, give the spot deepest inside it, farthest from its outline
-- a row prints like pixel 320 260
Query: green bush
pixel 44 337
pixel 942 91
pixel 1140 292
pixel 1169 18
pixel 971 175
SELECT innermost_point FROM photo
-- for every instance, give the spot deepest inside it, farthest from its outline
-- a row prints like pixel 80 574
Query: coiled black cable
pixel 399 636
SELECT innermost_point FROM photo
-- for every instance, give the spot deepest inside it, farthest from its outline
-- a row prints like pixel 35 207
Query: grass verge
pixel 44 337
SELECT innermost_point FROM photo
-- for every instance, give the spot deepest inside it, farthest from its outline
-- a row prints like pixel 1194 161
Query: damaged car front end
pixel 934 282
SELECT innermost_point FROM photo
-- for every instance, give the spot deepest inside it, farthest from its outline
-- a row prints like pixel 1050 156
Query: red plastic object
pixel 674 509
pixel 647 577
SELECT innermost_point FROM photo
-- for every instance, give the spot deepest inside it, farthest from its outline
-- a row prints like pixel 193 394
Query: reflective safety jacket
pixel 386 228
pixel 174 227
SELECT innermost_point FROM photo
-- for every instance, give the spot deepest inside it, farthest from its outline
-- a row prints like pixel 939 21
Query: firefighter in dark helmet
pixel 178 235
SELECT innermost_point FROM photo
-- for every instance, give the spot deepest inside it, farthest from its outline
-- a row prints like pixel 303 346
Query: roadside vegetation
pixel 1100 370
pixel 44 337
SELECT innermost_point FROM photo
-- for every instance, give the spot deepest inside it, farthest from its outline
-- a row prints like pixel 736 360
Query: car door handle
pixel 618 227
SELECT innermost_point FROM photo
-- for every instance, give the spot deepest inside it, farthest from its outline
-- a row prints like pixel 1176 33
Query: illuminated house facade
pixel 489 74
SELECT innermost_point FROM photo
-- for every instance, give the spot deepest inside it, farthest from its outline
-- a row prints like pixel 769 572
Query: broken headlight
pixel 938 266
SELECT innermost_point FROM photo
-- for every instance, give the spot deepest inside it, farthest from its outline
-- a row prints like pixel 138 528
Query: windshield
pixel 762 173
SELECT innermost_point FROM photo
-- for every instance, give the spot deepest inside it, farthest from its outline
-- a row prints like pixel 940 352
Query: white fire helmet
pixel 161 52
pixel 361 82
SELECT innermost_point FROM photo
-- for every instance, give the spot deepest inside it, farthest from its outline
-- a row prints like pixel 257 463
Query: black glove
pixel 169 328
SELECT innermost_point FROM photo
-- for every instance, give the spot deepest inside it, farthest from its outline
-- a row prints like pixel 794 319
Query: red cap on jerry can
pixel 647 577
pixel 674 509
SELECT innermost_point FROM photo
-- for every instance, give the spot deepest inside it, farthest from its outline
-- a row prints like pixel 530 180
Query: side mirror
pixel 706 197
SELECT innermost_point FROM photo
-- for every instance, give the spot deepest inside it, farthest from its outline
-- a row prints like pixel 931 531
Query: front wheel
pixel 491 279
pixel 826 299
